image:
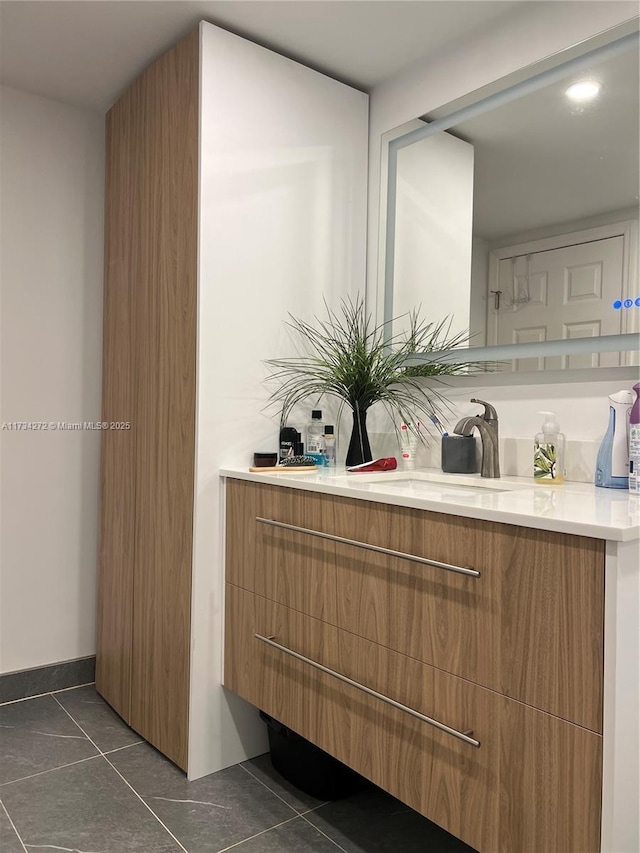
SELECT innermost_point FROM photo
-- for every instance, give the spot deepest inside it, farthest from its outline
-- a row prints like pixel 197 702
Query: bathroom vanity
pixel 470 646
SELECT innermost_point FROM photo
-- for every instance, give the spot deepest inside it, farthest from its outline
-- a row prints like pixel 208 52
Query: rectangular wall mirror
pixel 515 212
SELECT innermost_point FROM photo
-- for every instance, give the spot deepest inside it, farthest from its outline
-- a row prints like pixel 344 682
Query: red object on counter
pixel 387 463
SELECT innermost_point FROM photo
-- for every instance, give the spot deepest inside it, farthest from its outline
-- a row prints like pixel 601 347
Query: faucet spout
pixel 489 438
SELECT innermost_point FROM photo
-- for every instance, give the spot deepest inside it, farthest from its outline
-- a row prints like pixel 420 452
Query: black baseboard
pixel 46 679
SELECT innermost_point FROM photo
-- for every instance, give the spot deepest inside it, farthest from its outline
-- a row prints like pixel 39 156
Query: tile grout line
pixel 74 687
pixel 299 814
pixel 70 715
pixel 4 808
pixel 315 808
pixel 146 805
pixel 71 763
pixel 50 770
pixel 264 785
pixel 126 746
pixel 258 834
pixel 76 723
pixel 328 837
pixel 128 784
pixel 306 811
pixel 48 693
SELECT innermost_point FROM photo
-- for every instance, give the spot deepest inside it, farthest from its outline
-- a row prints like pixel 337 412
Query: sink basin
pixel 422 482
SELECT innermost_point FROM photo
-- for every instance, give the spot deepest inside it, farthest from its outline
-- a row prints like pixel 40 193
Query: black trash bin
pixel 307 766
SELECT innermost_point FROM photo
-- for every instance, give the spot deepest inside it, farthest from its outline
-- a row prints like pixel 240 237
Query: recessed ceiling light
pixel 583 91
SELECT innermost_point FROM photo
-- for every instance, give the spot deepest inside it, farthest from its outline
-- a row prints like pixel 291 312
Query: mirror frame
pixel 606 343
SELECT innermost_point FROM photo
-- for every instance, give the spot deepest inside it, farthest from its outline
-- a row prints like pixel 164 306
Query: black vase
pixel 359 449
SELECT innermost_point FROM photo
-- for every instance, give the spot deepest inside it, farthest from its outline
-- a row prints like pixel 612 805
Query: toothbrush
pixel 434 420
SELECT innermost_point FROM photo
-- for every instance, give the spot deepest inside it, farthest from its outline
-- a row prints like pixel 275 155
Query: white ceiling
pixel 86 53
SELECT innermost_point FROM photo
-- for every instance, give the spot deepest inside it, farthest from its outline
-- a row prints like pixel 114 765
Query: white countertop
pixel 578 508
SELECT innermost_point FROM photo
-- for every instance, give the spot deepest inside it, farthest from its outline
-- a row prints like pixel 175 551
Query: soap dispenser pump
pixel 612 463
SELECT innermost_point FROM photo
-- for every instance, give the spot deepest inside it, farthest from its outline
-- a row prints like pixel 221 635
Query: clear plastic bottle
pixel 548 453
pixel 330 444
pixel 315 443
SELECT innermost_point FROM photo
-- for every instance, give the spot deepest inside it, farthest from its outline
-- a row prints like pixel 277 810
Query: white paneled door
pixel 559 294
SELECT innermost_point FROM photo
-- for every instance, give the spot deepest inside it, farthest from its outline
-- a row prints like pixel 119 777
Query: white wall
pixel 283 174
pixel 581 406
pixel 50 336
pixel 520 37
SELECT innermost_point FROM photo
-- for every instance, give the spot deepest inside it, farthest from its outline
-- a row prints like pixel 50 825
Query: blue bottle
pixel 612 463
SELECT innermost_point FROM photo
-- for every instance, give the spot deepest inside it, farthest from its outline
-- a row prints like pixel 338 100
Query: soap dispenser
pixel 548 452
pixel 612 463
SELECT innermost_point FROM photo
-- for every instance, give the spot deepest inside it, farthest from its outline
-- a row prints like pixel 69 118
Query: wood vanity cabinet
pixel 507 654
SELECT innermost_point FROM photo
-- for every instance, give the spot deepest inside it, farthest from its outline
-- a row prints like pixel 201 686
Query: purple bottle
pixel 634 443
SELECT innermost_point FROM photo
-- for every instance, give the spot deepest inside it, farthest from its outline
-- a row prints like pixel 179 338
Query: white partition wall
pixel 434 213
pixel 283 176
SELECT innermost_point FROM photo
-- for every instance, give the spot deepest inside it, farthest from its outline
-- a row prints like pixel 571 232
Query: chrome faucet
pixel 487 424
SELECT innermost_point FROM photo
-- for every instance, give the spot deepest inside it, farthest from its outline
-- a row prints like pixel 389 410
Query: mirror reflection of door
pixel 558 293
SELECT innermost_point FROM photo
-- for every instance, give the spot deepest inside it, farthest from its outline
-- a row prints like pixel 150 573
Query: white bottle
pixel 548 452
pixel 409 445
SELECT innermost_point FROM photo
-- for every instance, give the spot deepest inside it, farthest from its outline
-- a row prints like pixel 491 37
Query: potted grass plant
pixel 347 356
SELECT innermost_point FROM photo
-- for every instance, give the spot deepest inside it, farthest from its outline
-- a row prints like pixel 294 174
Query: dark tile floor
pixel 74 777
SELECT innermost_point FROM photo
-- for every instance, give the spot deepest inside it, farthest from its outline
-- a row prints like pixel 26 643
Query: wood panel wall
pixel 149 374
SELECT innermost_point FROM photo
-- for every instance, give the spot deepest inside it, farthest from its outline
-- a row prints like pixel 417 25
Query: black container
pixel 289 437
pixel 265 460
pixel 459 454
pixel 307 767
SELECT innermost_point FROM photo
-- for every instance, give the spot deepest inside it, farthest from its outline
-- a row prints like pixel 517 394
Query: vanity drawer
pixel 379 741
pixel 522 614
pixel 528 622
pixel 532 783
pixel 279 564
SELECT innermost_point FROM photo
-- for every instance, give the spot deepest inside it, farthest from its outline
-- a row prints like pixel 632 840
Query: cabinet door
pixel 149 380
pixel 117 456
pixel 165 414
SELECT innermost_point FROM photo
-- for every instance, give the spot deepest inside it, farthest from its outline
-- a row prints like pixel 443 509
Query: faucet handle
pixel 489 413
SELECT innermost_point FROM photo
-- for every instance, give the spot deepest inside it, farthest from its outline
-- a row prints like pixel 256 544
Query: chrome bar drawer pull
pixel 464 736
pixel 377 548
